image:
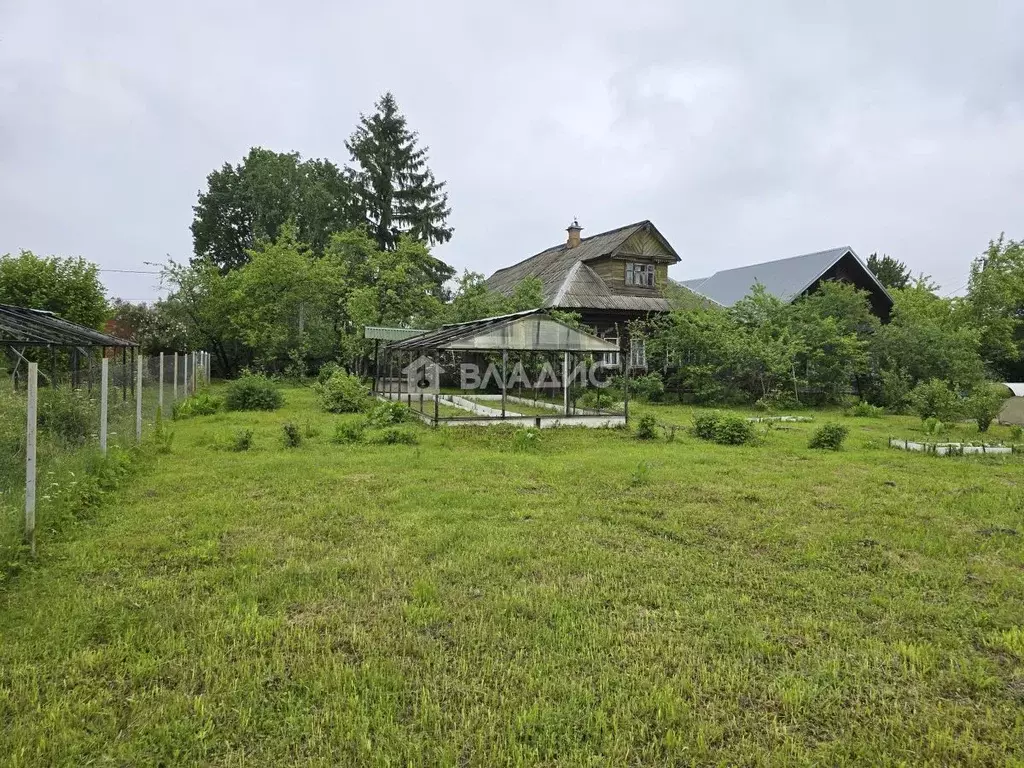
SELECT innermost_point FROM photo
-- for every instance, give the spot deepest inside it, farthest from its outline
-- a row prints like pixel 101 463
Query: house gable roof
pixel 786 279
pixel 568 282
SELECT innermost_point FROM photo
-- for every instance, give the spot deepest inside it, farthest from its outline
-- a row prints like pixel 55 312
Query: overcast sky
pixel 744 132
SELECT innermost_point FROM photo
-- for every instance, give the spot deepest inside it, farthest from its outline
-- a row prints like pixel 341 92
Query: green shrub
pixel 292 436
pixel 326 371
pixel 829 436
pixel 1016 433
pixel 649 388
pixel 349 432
pixel 253 392
pixel 342 392
pixel 984 405
pixel 387 413
pixel 396 436
pixel 647 428
pixel 704 425
pixel 734 430
pixel 933 426
pixel 934 399
pixel 865 410
pixel 242 440
pixel 66 414
pixel 201 404
pixel 604 398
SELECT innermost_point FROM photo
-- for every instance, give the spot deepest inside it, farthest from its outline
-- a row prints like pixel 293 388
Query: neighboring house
pixel 789 279
pixel 609 279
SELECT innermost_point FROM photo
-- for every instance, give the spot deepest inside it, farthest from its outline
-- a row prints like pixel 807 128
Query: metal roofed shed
pixel 22 328
pixel 534 333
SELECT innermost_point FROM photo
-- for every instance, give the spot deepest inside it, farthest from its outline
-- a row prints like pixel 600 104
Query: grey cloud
pixel 743 130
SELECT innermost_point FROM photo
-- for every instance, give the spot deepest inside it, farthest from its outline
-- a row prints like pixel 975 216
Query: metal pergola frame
pixel 490 335
pixel 22 328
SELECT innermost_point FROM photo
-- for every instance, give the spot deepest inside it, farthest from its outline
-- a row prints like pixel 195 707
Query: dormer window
pixel 641 275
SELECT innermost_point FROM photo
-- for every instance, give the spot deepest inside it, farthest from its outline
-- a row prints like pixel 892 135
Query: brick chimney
pixel 574 230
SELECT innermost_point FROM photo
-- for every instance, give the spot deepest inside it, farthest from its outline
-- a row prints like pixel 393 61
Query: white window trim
pixel 638 353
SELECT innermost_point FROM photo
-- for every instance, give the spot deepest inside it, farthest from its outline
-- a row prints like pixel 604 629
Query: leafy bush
pixel 326 371
pixel 396 436
pixel 342 392
pixel 201 404
pixel 984 405
pixel 603 398
pixel 292 435
pixel 242 440
pixel 649 388
pixel 704 425
pixel 253 392
pixel 865 410
pixel 723 428
pixel 934 399
pixel 388 413
pixel 734 430
pixel 829 436
pixel 933 426
pixel 349 432
pixel 647 428
pixel 66 414
pixel 1016 432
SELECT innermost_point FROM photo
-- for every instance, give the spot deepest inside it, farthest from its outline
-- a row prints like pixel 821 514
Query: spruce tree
pixel 397 190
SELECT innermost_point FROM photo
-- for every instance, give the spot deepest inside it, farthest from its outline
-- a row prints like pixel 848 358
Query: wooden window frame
pixel 639 274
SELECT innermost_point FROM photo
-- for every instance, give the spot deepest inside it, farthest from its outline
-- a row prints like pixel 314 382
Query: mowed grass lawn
pixel 596 600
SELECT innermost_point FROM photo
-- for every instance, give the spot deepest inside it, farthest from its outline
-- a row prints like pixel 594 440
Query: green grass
pixel 593 600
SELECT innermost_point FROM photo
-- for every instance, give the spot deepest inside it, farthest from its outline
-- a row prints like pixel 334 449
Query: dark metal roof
pixel 23 327
pixel 532 330
pixel 569 283
pixel 785 279
pixel 382 333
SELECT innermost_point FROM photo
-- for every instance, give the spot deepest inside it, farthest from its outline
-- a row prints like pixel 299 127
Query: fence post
pixel 184 378
pixel 30 457
pixel 160 391
pixel 174 385
pixel 138 398
pixel 104 371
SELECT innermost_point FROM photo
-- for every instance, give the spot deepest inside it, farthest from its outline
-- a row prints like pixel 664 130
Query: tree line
pixel 827 345
pixel 293 258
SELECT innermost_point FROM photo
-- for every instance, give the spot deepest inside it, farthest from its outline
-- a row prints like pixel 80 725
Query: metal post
pixel 30 457
pixel 437 397
pixel 184 377
pixel 174 382
pixel 160 390
pixel 194 380
pixel 138 399
pixel 504 378
pixel 124 374
pixel 625 404
pixel 565 381
pixel 104 375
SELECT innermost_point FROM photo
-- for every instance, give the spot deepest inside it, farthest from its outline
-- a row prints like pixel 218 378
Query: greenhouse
pixel 526 368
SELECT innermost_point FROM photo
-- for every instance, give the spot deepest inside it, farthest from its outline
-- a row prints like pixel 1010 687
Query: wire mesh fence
pixel 82 414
